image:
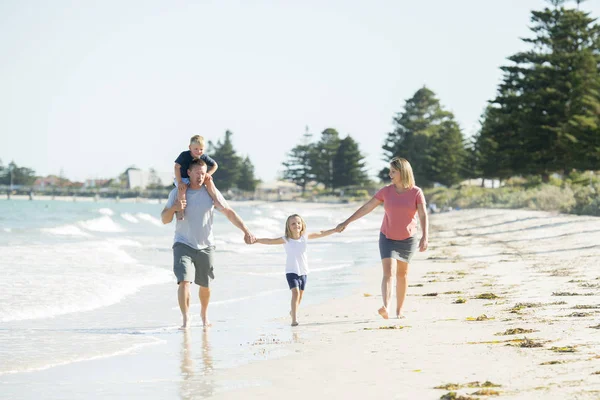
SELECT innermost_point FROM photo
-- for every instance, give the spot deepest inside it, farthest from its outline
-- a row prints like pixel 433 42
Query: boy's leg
pixel 180 196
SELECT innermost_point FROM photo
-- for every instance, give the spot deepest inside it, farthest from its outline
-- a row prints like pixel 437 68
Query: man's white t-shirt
pixel 296 260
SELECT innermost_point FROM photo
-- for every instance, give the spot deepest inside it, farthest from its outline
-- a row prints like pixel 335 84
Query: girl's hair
pixel 406 173
pixel 288 234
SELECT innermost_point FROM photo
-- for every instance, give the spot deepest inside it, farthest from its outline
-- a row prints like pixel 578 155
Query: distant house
pixel 95 183
pixel 44 182
pixel 277 190
pixel 140 179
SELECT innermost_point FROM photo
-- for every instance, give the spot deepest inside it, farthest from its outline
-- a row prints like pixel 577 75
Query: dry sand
pixel 543 268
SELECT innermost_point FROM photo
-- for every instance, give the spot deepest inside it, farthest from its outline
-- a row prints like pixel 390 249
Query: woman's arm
pixel 361 212
pixel 424 220
pixel 321 234
pixel 270 241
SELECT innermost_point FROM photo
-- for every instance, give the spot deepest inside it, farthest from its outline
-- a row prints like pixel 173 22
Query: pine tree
pixel 322 157
pixel 247 181
pixel 228 174
pixel 429 138
pixel 546 113
pixel 298 164
pixel 348 165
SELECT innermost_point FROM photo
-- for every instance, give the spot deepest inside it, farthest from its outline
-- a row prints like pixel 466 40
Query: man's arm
pixel 235 219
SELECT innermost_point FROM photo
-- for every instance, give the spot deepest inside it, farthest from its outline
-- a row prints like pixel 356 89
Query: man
pixel 193 246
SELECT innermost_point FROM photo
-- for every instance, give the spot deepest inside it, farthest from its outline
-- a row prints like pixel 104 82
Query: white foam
pixel 130 218
pixel 110 275
pixel 102 224
pixel 67 230
pixel 149 218
pixel 7 230
pixel 106 211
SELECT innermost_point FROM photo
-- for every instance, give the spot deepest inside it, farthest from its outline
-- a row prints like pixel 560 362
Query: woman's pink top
pixel 400 220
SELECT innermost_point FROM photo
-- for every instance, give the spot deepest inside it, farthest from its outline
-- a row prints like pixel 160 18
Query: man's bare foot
pixel 295 323
pixel 383 312
pixel 186 322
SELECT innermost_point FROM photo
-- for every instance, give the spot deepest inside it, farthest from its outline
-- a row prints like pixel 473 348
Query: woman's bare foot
pixel 383 312
pixel 295 323
pixel 400 316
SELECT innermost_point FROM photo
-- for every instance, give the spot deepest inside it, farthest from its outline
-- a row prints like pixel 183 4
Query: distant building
pixel 277 190
pixel 95 183
pixel 139 179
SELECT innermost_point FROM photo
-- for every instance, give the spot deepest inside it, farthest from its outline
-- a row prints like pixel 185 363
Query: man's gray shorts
pixel 192 265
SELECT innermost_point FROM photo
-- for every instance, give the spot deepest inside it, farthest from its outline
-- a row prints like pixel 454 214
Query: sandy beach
pixel 532 271
pixel 504 303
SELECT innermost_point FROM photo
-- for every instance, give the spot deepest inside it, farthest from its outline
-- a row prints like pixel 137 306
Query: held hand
pixel 181 187
pixel 423 243
pixel 340 228
pixel 249 238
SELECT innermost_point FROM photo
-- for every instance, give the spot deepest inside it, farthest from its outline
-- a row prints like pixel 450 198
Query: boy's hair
pixel 197 139
pixel 196 162
pixel 288 234
pixel 406 173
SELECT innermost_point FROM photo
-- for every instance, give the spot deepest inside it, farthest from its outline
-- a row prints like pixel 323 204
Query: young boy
pixel 182 164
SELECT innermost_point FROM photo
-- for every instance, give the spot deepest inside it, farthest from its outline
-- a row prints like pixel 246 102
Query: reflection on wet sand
pixel 196 384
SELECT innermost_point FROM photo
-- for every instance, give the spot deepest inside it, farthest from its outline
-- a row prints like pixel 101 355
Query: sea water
pixel 86 281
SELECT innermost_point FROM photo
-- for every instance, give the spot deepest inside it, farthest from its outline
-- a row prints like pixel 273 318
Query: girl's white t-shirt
pixel 296 260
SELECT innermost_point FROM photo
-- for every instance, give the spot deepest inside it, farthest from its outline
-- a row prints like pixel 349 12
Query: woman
pixel 402 201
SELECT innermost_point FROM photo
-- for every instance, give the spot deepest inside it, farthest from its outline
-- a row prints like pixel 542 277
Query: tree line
pixel 544 119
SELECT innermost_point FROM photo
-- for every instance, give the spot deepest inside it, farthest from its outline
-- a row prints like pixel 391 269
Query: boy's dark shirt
pixel 186 158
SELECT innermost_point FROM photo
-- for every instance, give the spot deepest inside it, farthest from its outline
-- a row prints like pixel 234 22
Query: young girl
pixel 296 266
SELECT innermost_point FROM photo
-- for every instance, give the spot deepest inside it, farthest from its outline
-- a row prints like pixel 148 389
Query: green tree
pixel 546 112
pixel 228 174
pixel 298 163
pixel 15 175
pixel 429 138
pixel 322 155
pixel 349 165
pixel 246 180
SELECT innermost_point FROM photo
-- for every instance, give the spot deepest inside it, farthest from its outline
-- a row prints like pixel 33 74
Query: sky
pixel 89 88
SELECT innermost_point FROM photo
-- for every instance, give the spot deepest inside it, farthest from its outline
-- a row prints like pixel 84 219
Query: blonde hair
pixel 197 139
pixel 406 173
pixel 288 233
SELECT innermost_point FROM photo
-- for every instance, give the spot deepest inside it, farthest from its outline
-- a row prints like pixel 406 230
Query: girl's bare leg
pixel 401 286
pixel 295 302
pixel 386 286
